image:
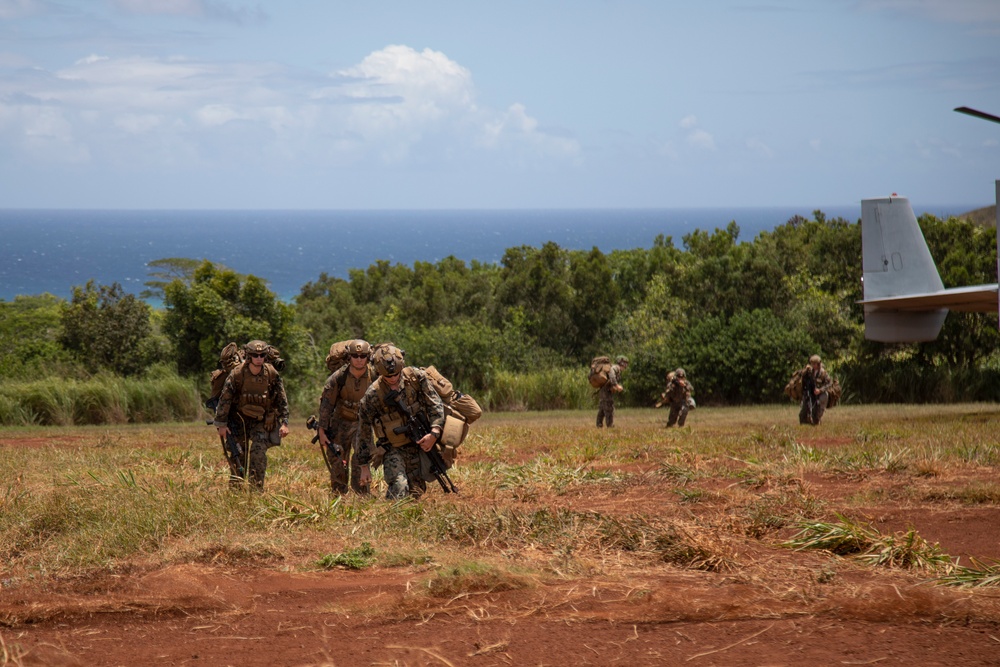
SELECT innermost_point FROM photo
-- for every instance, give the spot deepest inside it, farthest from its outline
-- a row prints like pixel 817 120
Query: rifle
pixel 809 388
pixel 416 428
pixel 232 451
pixel 313 424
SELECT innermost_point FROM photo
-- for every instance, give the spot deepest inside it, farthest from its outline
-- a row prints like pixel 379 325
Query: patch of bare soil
pixel 190 615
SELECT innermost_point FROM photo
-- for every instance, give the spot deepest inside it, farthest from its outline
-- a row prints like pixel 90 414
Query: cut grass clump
pixel 358 558
pixel 678 547
pixel 473 577
pixel 980 575
pixel 906 550
pixel 974 494
pixel 230 554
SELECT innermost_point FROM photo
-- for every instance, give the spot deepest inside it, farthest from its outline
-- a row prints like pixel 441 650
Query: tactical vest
pixel 351 390
pixel 391 418
pixel 255 395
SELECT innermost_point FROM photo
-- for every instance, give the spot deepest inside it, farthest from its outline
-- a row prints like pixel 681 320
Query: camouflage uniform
pixel 338 416
pixel 814 405
pixel 260 433
pixel 677 395
pixel 606 397
pixel 402 460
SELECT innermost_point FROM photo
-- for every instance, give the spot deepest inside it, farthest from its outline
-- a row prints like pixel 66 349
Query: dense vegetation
pixel 739 316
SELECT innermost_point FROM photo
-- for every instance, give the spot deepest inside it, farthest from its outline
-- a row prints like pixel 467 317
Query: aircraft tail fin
pixel 897 263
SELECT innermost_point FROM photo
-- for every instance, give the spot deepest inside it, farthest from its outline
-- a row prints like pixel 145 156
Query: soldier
pixel 816 384
pixel 606 394
pixel 677 395
pixel 260 417
pixel 338 416
pixel 401 458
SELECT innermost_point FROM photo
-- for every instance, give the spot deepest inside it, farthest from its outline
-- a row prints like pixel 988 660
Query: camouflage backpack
pixel 338 354
pixel 834 393
pixel 600 370
pixel 230 357
pixel 794 387
pixel 460 411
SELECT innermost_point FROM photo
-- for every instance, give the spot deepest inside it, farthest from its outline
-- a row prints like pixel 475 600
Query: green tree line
pixel 739 316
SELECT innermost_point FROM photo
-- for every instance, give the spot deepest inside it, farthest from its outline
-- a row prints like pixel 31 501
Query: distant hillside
pixel 986 216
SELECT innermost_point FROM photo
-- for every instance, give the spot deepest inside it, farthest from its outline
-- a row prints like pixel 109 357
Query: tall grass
pixel 100 400
pixel 551 389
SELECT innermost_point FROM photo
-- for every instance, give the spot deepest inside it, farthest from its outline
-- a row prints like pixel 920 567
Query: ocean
pixel 55 250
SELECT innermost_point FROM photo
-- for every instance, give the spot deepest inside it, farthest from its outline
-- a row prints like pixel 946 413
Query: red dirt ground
pixel 275 614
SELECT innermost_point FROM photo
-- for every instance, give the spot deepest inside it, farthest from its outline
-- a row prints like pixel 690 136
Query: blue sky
pixel 515 104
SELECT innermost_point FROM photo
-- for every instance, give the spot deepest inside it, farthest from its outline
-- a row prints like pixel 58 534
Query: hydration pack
pixel 600 370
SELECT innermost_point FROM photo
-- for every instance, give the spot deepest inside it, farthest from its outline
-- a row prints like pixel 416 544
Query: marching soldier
pixel 252 415
pixel 401 455
pixel 338 417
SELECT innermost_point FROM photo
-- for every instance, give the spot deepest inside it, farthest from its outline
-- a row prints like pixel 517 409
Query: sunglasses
pixel 255 355
pixel 359 356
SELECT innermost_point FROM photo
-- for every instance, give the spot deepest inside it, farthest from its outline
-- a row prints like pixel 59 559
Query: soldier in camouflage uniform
pixel 677 395
pixel 252 415
pixel 401 459
pixel 816 383
pixel 606 394
pixel 338 416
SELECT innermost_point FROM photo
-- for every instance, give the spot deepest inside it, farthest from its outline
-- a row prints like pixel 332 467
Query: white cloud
pixel 696 136
pixel 396 104
pixel 516 127
pixel 759 147
pixel 701 139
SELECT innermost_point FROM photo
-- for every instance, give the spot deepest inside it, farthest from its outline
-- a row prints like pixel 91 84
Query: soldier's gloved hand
pixel 365 478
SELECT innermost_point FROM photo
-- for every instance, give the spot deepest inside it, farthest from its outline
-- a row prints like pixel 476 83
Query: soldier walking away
pixel 252 415
pixel 338 417
pixel 816 385
pixel 606 394
pixel 678 395
pixel 403 455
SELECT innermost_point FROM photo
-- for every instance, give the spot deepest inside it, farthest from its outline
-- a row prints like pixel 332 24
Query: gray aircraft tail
pixel 897 263
pixel 905 300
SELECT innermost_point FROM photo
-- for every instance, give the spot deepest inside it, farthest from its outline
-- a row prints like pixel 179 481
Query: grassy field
pixel 541 492
pixel 742 537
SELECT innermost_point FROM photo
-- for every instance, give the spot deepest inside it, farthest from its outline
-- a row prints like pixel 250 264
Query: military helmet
pixel 621 360
pixel 680 373
pixel 359 347
pixel 388 360
pixel 256 347
pixel 814 359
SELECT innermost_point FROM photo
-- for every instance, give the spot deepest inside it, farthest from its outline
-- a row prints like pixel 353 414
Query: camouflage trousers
pixel 605 409
pixel 344 434
pixel 811 412
pixel 678 413
pixel 251 465
pixel 401 467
